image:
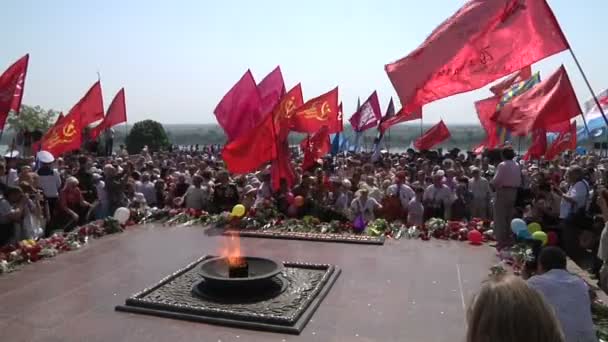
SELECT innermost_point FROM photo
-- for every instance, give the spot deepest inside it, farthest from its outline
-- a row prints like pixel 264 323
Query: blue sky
pixel 177 58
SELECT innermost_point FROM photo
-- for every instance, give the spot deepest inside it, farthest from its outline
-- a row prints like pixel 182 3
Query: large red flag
pixel 64 136
pixel 239 111
pixel 12 82
pixel 548 103
pixel 368 115
pixel 281 167
pixel 251 150
pixel 435 135
pixel 315 147
pixel 401 117
pixel 539 145
pixel 90 107
pixel 271 90
pixel 485 110
pixel 483 41
pixel 117 113
pixel 318 112
pixel 284 111
pixel 501 87
pixel 564 142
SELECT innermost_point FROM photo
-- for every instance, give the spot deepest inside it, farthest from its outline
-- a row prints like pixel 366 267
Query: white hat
pixel 45 157
pixel 12 154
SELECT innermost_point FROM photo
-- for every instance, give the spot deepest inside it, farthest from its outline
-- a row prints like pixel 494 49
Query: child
pixel 415 209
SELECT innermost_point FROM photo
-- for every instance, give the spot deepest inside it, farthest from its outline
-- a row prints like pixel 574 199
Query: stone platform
pixel 408 290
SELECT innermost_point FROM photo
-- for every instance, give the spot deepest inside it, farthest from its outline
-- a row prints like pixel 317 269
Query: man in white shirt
pixel 506 182
pixel 480 187
pixel 566 293
pixel 364 205
pixel 401 190
pixel 438 198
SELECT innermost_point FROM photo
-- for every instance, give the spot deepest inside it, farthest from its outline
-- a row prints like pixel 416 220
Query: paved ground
pixel 402 291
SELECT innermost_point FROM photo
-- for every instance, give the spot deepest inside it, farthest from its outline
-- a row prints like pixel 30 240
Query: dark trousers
pixel 109 146
pixel 53 202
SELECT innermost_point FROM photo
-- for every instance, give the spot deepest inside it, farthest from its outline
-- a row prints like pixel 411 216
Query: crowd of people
pixel 44 194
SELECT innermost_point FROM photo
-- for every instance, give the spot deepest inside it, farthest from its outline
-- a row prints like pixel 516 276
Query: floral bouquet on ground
pixel 187 217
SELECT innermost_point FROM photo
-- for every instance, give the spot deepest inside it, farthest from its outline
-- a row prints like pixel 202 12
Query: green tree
pixel 32 119
pixel 147 132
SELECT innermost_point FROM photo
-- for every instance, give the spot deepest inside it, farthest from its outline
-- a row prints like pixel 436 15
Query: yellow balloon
pixel 533 227
pixel 238 210
pixel 540 236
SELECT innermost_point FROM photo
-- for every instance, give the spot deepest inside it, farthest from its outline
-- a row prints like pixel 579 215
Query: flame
pixel 232 250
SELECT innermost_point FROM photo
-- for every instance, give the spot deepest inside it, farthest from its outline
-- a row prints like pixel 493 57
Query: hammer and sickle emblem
pixel 69 130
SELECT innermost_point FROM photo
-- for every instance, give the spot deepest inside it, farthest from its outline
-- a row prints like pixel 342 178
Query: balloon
pixel 359 224
pixel 533 227
pixel 299 201
pixel 540 236
pixel 552 239
pixel 524 235
pixel 475 237
pixel 517 225
pixel 238 210
pixel 290 198
pixel 122 215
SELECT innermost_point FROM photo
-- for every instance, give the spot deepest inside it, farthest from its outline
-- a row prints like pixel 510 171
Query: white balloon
pixel 122 215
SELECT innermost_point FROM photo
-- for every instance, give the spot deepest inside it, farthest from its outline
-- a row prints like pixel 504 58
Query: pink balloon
pixel 475 237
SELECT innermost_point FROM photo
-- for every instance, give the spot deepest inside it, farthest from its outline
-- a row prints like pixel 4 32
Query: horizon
pixel 176 60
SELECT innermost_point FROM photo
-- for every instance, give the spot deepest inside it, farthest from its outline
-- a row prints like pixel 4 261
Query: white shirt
pixel 569 297
pixel 367 209
pixel 508 175
pixel 12 178
pixel 480 189
pixel 405 193
pixel 147 189
pixel 196 198
pixel 580 193
pixel 415 212
pixel 50 184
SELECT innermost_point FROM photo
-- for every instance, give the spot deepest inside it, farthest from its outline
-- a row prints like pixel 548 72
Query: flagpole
pixel 597 102
pixel 388 146
pixel 421 129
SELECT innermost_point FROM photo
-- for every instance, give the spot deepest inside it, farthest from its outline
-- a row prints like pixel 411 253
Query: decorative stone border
pixel 339 238
pixel 288 312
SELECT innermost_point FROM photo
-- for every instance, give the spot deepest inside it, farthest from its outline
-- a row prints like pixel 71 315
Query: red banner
pixel 547 104
pixel 367 115
pixel 484 41
pixel 434 136
pixel 318 112
pixel 12 83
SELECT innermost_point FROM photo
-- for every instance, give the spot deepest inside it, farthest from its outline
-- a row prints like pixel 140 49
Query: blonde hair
pixel 507 310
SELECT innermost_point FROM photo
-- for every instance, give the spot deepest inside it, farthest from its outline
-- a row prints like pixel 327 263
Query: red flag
pixel 251 150
pixel 401 117
pixel 239 111
pixel 315 147
pixel 12 82
pixel 117 113
pixel 481 147
pixel 368 115
pixel 318 112
pixel 564 142
pixel 271 90
pixel 64 136
pixel 548 103
pixel 500 88
pixel 560 127
pixel 483 41
pixel 90 107
pixel 539 145
pixel 485 110
pixel 284 111
pixel 281 167
pixel 435 135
